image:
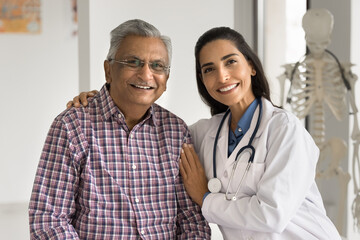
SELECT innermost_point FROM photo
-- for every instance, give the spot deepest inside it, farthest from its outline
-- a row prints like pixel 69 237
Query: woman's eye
pixel 207 70
pixel 230 61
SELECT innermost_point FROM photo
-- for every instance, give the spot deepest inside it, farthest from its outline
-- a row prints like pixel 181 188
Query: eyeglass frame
pixel 125 62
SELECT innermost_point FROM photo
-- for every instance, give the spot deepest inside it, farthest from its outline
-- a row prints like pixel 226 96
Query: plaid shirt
pixel 98 180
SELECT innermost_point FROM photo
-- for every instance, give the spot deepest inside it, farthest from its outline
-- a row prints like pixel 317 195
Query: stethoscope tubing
pixel 248 146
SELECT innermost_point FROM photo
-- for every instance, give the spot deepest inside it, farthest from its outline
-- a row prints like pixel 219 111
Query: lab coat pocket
pixel 250 181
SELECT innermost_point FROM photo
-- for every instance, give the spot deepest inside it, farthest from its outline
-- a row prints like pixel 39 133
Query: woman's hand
pixel 81 99
pixel 193 174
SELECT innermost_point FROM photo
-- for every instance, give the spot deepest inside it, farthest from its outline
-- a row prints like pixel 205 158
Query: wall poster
pixel 20 16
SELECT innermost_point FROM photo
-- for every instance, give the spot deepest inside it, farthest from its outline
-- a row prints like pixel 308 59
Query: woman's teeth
pixel 228 88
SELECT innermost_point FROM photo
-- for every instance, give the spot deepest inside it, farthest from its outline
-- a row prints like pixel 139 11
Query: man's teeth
pixel 227 88
pixel 142 87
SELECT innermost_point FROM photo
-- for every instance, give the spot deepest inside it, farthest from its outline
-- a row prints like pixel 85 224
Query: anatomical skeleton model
pixel 318 80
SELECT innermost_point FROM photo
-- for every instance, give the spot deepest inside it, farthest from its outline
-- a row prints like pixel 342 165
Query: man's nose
pixel 145 72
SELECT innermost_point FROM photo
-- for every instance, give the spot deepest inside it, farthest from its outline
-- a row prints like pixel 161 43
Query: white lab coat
pixel 279 198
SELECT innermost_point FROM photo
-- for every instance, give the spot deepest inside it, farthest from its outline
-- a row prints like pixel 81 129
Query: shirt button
pixel 137 200
pixel 225 174
pixel 134 166
pixel 119 115
pixel 240 130
pixel 142 232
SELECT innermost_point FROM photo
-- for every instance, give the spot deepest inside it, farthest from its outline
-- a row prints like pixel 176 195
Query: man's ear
pixel 107 71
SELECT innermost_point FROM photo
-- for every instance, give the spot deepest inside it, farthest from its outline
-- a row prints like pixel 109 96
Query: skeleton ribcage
pixel 314 85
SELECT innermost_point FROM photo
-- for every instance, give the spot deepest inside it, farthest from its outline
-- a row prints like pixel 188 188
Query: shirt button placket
pixel 134 168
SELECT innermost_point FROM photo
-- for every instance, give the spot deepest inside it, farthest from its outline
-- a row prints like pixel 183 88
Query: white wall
pixel 38 74
pixel 283 39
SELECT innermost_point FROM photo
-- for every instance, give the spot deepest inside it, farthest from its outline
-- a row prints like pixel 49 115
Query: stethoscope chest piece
pixel 214 185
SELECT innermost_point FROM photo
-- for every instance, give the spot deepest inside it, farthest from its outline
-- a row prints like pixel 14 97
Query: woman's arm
pixel 81 99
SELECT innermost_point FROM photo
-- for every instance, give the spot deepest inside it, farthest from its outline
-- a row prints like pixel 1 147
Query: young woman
pixel 259 159
pixel 252 166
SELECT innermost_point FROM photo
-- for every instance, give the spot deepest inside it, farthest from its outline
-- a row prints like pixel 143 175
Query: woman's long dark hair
pixel 259 83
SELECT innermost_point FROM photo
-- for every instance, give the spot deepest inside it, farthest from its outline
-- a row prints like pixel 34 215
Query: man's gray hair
pixel 139 28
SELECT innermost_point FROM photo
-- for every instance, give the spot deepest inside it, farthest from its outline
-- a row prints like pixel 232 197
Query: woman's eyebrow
pixel 207 64
pixel 229 55
pixel 222 59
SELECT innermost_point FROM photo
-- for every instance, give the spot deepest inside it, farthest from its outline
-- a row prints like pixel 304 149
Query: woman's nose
pixel 223 75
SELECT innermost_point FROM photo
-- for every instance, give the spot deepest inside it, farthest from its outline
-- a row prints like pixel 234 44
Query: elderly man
pixel 111 170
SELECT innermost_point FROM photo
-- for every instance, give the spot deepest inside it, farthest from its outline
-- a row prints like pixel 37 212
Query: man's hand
pixel 81 99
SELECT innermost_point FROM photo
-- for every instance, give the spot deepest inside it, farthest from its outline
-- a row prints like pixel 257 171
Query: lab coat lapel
pixel 221 147
pixel 267 110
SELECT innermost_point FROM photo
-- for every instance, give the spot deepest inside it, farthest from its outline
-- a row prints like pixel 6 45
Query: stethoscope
pixel 214 184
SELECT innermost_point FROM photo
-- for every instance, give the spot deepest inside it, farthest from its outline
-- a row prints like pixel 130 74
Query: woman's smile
pixel 228 88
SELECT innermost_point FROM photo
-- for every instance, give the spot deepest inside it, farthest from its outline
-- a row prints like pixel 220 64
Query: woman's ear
pixel 253 71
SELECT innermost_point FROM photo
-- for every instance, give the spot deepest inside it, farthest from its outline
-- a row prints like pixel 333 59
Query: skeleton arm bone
pixel 282 81
pixel 352 78
pixel 355 136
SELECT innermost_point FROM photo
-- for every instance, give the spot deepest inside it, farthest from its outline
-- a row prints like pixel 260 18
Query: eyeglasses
pixel 137 64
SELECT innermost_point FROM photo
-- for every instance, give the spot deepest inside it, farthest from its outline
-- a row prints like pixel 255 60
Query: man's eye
pixel 157 65
pixel 134 62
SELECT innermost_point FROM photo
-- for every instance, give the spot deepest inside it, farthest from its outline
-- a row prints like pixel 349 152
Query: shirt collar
pixel 243 124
